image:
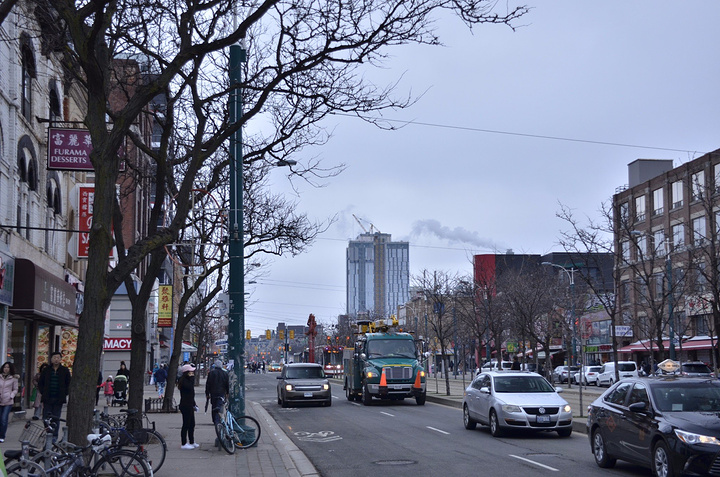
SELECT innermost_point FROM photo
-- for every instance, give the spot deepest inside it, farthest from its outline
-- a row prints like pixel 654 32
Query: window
pixel 659 243
pixel 658 281
pixel 28 73
pixel 698 231
pixel 618 395
pixel 658 202
pixel 640 208
pixel 625 292
pixel 678 237
pixel 716 173
pixel 625 246
pixel 641 247
pixel 623 213
pixel 54 106
pixel 677 194
pixel 698 185
pixel 639 394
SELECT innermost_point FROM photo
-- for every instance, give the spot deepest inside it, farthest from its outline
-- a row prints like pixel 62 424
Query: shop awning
pixel 642 345
pixel 188 348
pixel 698 344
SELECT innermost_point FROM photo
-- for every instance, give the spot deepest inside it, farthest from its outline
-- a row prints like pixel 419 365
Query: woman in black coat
pixel 187 406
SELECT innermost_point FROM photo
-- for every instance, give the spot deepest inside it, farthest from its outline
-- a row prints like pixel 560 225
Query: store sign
pixel 623 330
pixel 117 344
pixel 39 292
pixel 165 308
pixel 7 278
pixel 69 149
pixel 698 305
pixel 86 198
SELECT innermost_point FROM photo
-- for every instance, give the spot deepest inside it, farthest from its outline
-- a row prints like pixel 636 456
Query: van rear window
pixel 627 366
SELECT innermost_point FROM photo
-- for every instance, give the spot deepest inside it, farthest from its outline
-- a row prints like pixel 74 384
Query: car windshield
pixel 695 368
pixel 391 348
pixel 594 369
pixel 522 384
pixel 626 367
pixel 690 397
pixel 304 372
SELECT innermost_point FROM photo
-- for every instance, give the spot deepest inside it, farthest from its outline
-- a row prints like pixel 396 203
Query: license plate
pixel 308 395
pixel 543 419
pixel 396 386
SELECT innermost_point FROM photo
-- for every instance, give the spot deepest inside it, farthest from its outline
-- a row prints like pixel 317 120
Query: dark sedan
pixel 303 382
pixel 670 424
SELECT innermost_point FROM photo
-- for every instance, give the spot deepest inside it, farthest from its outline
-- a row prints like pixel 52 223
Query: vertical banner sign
pixel 85 215
pixel 165 315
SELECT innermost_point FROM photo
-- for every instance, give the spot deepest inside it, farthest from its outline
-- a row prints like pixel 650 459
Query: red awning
pixel 698 344
pixel 642 346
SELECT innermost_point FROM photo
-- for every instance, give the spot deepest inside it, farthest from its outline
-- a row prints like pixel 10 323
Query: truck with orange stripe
pixel 384 364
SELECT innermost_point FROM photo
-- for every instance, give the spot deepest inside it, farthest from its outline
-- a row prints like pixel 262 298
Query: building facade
pixel 666 235
pixel 378 275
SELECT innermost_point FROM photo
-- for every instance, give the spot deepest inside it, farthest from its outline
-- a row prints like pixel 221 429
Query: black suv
pixel 667 423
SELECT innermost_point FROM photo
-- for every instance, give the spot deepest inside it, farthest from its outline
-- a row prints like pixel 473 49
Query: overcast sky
pixel 512 124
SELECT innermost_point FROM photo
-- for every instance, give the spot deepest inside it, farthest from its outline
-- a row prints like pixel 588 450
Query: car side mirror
pixel 279 377
pixel 558 389
pixel 485 390
pixel 638 407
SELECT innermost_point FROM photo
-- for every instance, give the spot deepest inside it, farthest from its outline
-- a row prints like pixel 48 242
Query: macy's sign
pixel 117 344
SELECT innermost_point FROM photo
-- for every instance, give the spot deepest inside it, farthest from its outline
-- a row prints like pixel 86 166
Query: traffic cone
pixel 383 383
pixel 417 384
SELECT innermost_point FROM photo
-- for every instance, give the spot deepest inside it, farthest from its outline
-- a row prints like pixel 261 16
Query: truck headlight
pixel 326 387
pixel 288 387
pixel 371 374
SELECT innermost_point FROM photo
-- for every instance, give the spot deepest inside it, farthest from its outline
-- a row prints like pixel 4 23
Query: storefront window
pixel 17 351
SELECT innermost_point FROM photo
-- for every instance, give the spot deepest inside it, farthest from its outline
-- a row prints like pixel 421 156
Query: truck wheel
pixel 420 399
pixel 366 397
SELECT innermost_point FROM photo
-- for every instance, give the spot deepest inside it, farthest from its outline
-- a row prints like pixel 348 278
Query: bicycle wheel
pixel 247 433
pixel 156 449
pixel 122 463
pixel 224 436
pixel 25 469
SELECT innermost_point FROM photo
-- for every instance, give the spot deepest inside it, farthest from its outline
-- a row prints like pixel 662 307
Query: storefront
pixel 42 319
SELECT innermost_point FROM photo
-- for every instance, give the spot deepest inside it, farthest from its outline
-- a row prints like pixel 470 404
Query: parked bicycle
pixel 128 431
pixel 232 433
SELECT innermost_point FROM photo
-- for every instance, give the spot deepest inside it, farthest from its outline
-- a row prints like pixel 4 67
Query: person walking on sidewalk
pixel 37 399
pixel 161 380
pixel 8 390
pixel 217 387
pixel 108 390
pixel 187 406
pixel 54 384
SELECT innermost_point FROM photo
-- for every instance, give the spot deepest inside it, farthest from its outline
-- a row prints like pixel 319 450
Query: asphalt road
pixel 403 439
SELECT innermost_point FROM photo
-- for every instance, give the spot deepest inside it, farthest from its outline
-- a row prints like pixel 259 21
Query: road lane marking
pixel 437 430
pixel 536 463
pixel 387 413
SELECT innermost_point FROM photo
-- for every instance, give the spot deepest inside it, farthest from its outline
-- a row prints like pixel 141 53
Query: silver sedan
pixel 515 400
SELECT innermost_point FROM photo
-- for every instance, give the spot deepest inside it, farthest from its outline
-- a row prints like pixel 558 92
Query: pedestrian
pixel 36 397
pixel 217 387
pixel 515 364
pixel 161 380
pixel 97 391
pixel 108 390
pixel 8 390
pixel 54 384
pixel 187 406
pixel 123 370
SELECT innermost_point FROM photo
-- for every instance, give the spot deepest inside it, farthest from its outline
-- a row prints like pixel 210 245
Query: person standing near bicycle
pixel 187 406
pixel 54 385
pixel 217 387
pixel 8 390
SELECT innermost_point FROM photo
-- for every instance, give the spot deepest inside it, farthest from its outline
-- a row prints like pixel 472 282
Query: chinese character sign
pixel 69 149
pixel 85 215
pixel 165 308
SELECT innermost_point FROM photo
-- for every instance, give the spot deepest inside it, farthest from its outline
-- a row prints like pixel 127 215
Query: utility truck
pixel 384 364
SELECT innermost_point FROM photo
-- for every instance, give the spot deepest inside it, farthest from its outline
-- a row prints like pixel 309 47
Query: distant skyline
pixel 510 125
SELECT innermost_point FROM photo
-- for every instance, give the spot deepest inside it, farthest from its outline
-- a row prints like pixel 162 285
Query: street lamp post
pixel 671 319
pixel 571 276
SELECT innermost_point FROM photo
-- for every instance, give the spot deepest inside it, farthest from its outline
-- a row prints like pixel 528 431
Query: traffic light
pixel 292 334
pixel 268 334
pixel 248 335
pixel 281 334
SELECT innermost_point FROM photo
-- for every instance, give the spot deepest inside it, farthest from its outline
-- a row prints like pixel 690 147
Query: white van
pixel 626 369
pixel 493 366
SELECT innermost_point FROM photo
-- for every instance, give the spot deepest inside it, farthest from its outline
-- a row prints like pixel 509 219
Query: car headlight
pixel 567 408
pixel 326 387
pixel 511 408
pixel 691 438
pixel 288 387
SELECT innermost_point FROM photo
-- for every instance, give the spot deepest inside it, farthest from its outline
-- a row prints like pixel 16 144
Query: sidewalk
pixel 275 455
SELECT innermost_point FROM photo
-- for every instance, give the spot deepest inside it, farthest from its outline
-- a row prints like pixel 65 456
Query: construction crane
pixel 373 229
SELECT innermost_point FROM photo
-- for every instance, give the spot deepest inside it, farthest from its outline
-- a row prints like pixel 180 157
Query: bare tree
pixel 306 61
